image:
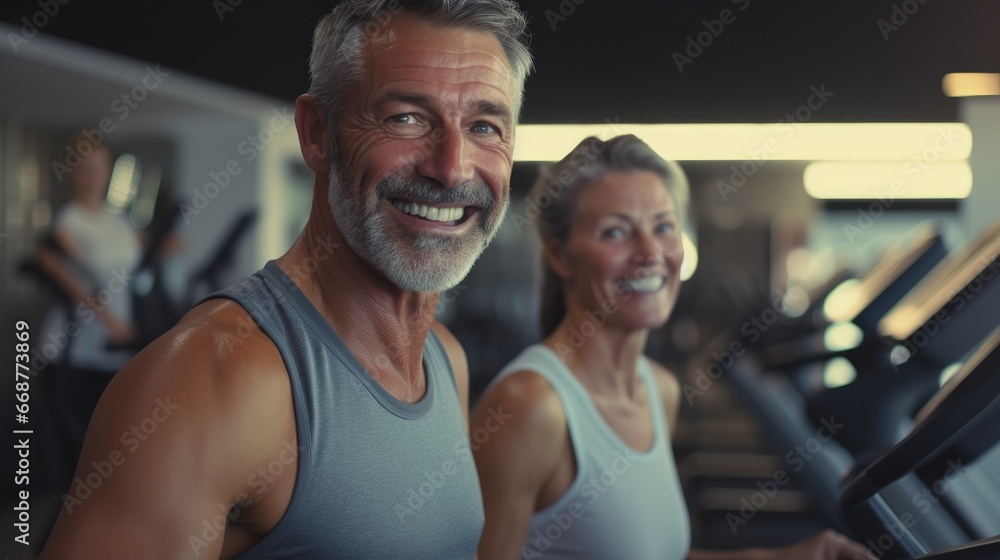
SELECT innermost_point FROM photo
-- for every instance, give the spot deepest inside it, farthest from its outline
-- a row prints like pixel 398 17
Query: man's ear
pixel 314 136
pixel 555 255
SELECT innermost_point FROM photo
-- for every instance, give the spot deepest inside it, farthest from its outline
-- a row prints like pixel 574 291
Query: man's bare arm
pixel 173 442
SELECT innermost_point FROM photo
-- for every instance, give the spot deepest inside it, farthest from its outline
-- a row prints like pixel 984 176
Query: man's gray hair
pixel 340 38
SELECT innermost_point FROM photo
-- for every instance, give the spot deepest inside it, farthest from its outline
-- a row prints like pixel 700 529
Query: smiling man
pixel 320 409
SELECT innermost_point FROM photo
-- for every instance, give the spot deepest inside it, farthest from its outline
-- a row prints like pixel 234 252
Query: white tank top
pixel 622 504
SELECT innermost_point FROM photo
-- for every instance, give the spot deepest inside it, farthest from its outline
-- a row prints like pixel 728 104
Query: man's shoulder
pixel 185 424
pixel 216 355
pixel 224 330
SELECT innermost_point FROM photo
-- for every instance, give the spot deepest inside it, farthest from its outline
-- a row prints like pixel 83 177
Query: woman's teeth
pixel 432 213
pixel 644 285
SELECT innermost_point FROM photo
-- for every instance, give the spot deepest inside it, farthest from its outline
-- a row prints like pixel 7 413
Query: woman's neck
pixel 602 357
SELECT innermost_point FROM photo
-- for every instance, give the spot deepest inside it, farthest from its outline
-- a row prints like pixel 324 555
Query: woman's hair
pixel 558 189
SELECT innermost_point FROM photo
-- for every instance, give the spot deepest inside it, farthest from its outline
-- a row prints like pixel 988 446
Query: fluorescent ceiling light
pixel 969 84
pixel 888 180
pixel 761 142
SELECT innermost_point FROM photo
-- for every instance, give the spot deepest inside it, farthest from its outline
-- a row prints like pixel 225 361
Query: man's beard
pixel 415 262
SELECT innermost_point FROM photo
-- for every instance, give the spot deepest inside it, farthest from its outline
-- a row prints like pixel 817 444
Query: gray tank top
pixel 622 504
pixel 377 477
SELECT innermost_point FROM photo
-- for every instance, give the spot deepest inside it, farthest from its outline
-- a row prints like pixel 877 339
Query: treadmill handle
pixel 978 390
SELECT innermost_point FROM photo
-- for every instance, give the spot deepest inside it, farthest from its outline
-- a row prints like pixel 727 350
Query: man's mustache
pixel 469 193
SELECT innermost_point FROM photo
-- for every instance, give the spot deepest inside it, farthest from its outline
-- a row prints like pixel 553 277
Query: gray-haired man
pixel 318 410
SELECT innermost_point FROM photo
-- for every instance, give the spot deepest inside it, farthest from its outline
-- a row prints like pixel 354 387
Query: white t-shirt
pixel 109 249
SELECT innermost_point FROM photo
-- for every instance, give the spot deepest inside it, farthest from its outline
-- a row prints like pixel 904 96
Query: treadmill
pixel 960 293
pixel 878 407
pixel 859 304
pixel 928 332
pixel 936 493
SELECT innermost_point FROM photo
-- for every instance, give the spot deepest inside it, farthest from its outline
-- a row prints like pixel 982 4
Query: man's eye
pixel 483 128
pixel 403 119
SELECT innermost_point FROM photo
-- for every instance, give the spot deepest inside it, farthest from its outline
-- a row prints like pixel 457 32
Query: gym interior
pixel 837 332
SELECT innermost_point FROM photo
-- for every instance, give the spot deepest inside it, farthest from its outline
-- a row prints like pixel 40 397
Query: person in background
pixel 582 467
pixel 93 250
pixel 90 254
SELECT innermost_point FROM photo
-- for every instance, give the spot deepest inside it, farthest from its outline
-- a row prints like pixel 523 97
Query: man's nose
pixel 446 159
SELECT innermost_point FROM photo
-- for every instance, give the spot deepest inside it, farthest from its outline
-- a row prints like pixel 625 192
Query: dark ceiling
pixel 608 58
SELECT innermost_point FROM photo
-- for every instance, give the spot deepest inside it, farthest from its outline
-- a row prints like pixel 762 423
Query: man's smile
pixel 449 215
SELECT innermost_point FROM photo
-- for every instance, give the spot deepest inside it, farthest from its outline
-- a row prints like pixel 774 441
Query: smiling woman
pixel 588 408
pixel 620 162
pixel 590 411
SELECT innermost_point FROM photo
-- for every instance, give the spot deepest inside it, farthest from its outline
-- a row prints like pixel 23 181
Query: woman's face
pixel 90 177
pixel 624 251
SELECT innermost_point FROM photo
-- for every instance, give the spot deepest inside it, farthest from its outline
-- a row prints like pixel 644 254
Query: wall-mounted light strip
pixel 771 141
pixel 914 179
pixel 970 84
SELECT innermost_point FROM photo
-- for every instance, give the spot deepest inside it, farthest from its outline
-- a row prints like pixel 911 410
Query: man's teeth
pixel 645 285
pixel 432 213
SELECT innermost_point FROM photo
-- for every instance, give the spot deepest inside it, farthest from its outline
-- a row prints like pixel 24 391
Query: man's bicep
pixel 144 485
